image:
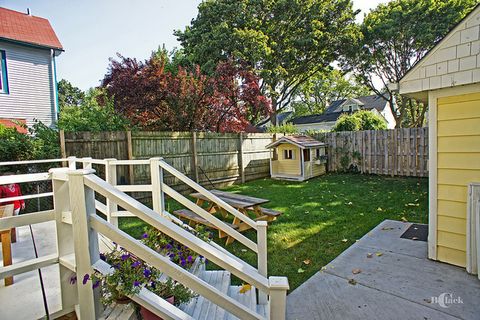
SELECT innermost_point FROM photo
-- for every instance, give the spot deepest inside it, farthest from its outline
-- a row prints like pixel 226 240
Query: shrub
pixel 360 120
pixel 284 128
pixel 14 146
pixel 95 114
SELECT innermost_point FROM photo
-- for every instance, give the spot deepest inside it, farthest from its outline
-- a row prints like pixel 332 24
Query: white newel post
pixel 262 255
pixel 111 178
pixel 72 163
pixel 65 248
pixel 85 242
pixel 278 297
pixel 87 164
pixel 158 200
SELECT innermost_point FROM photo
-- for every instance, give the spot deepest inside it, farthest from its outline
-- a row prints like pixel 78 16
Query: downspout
pixel 56 106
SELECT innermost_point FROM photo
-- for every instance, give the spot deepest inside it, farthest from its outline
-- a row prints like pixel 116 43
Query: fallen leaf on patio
pixel 300 270
pixel 356 271
pixel 245 288
pixel 379 209
pixel 344 240
pixel 323 268
pixel 369 255
pixel 379 254
pixel 352 281
pixel 307 261
pixel 404 219
pixel 387 228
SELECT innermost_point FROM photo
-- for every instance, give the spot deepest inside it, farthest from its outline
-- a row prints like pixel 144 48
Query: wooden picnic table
pixel 244 204
pixel 5 236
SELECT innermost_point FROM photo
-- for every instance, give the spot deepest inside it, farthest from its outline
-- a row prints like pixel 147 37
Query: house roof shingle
pixel 21 27
pixel 299 140
pixel 335 109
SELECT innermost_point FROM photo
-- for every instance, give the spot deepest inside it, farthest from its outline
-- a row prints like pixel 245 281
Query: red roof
pixel 20 124
pixel 18 26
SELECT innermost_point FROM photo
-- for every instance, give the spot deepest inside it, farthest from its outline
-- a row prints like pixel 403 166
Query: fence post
pixel 131 174
pixel 85 242
pixel 278 297
pixel 195 157
pixel 68 292
pixel 158 200
pixel 262 255
pixel 63 149
pixel 111 178
pixel 241 169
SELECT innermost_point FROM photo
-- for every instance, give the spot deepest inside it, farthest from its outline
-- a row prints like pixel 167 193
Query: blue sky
pixel 92 31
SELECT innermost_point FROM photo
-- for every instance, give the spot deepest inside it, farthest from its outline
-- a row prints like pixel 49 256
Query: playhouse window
pixel 288 154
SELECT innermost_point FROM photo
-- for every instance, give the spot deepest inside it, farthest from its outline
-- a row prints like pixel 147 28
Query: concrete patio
pixel 396 282
pixel 23 299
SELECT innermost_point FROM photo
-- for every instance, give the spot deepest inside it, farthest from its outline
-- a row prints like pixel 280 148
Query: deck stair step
pixel 200 307
pixel 248 299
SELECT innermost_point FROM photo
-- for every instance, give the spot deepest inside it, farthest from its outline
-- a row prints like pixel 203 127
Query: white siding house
pixel 327 120
pixel 28 88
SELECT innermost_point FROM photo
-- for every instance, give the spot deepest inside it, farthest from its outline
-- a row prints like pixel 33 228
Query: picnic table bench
pixel 244 204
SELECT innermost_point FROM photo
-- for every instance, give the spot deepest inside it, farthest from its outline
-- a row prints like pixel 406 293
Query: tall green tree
pixel 395 36
pixel 285 41
pixel 318 92
pixel 69 95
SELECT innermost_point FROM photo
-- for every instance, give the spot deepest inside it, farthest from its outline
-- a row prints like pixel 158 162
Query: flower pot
pixel 122 300
pixel 149 315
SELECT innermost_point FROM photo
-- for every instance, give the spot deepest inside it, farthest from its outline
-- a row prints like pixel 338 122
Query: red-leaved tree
pixel 156 99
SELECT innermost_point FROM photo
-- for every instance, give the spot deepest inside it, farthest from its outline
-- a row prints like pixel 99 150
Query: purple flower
pixel 73 279
pixel 189 258
pixel 168 246
pixel 96 284
pixel 136 283
pixel 136 264
pixel 103 257
pixel 145 235
pixel 125 256
pixel 86 277
pixel 183 262
pixel 172 256
pixel 147 273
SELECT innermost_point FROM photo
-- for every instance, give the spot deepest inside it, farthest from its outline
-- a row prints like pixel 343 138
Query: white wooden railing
pixel 77 226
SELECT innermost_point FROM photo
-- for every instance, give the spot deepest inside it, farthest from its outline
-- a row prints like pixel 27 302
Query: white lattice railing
pixel 78 224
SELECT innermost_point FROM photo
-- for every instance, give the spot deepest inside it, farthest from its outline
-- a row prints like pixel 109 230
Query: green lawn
pixel 322 217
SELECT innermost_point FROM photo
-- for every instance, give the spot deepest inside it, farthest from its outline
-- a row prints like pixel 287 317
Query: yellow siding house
pixel 297 158
pixel 448 79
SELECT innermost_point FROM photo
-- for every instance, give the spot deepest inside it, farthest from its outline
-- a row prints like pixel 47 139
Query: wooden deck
pixel 396 282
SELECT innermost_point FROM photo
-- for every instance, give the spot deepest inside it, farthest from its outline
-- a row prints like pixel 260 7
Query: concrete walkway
pixel 23 299
pixel 397 282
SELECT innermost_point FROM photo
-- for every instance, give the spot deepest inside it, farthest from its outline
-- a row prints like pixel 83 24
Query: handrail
pixel 26 219
pixel 26 197
pixel 192 184
pixel 176 232
pixel 13 163
pixel 171 269
pixel 21 178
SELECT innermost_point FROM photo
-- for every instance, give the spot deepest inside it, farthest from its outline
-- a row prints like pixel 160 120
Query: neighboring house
pixel 28 88
pixel 297 158
pixel 448 79
pixel 327 120
pixel 282 118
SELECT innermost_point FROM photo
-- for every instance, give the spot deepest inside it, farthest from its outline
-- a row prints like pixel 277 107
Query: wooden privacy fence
pixel 208 158
pixel 398 152
pixel 223 158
